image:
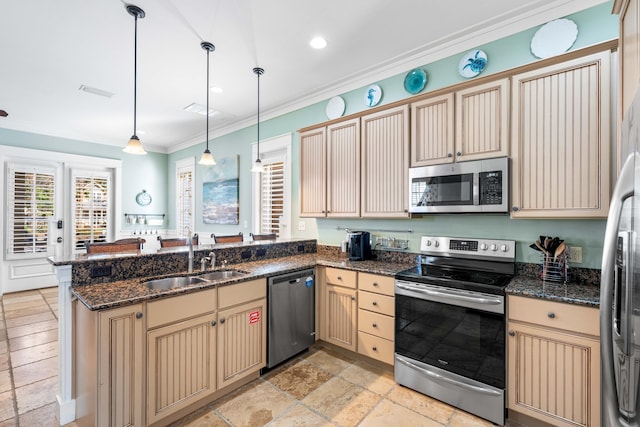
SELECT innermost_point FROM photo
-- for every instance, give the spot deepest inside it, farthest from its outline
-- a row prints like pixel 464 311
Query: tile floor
pixel 321 387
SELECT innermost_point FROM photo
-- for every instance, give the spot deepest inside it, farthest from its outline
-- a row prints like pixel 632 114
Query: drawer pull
pixel 512 333
pixel 374 303
pixel 222 320
pixel 375 325
pixel 214 323
pixel 374 348
pixel 339 277
pixel 551 315
pixel 139 315
pixel 353 298
pixel 375 284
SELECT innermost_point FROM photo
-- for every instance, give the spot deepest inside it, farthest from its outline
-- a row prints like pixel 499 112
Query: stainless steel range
pixel 450 323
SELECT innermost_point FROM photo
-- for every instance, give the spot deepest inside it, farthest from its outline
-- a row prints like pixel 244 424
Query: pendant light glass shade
pixel 257 165
pixel 207 158
pixel 134 146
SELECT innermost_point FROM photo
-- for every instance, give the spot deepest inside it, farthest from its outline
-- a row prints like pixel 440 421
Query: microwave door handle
pixel 623 190
pixel 476 189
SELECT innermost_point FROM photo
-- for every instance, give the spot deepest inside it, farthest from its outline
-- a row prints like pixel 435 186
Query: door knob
pixel 213 323
pixel 222 320
pixel 139 315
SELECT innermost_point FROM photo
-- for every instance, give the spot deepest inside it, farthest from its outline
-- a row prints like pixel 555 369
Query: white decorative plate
pixel 554 38
pixel 372 95
pixel 335 107
pixel 472 63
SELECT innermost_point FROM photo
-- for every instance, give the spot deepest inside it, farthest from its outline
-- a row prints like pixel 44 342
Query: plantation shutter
pixel 91 209
pixel 185 198
pixel 30 205
pixel 272 197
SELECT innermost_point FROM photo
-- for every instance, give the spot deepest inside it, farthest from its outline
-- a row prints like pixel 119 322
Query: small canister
pixel 344 247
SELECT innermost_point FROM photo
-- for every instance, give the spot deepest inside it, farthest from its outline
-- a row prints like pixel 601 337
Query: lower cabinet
pixel 339 307
pixel 554 362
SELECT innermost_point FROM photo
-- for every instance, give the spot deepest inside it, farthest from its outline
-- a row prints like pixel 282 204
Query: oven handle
pixel 444 379
pixel 452 296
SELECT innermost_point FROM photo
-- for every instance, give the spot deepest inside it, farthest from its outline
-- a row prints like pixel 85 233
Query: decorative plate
pixel 415 80
pixel 472 63
pixel 554 38
pixel 372 95
pixel 143 198
pixel 335 107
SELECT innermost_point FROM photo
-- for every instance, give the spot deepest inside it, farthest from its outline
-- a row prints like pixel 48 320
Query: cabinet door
pixel 341 310
pixel 313 173
pixel 120 352
pixel 181 365
pixel 482 121
pixel 385 163
pixel 242 341
pixel 432 138
pixel 560 140
pixel 343 169
pixel 553 376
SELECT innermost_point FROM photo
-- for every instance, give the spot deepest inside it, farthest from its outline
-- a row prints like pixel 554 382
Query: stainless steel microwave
pixel 466 187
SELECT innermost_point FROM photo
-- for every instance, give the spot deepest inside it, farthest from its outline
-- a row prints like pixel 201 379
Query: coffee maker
pixel 359 246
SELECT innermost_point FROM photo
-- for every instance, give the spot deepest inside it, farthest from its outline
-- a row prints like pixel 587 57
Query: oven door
pixel 453 330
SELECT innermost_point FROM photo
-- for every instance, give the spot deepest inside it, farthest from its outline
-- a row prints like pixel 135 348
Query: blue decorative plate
pixel 372 95
pixel 472 63
pixel 415 80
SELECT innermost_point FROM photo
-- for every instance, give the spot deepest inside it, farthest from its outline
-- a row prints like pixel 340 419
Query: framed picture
pixel 221 191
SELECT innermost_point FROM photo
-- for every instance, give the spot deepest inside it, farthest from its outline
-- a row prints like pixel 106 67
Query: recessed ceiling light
pixel 200 109
pixel 95 91
pixel 318 43
pixel 216 89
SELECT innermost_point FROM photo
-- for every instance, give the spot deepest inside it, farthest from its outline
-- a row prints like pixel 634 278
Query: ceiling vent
pixel 200 109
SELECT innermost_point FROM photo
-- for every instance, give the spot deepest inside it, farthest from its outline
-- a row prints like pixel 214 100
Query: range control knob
pixel 428 242
pixel 436 243
pixel 504 248
pixel 494 247
pixel 483 246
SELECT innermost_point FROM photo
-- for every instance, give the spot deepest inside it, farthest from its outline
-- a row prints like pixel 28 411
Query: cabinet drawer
pixel 178 308
pixel 553 314
pixel 374 283
pixel 376 324
pixel 375 347
pixel 382 304
pixel 239 293
pixel 337 276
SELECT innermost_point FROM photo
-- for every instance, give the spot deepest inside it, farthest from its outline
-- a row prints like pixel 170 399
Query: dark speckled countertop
pixel 125 292
pixel 572 293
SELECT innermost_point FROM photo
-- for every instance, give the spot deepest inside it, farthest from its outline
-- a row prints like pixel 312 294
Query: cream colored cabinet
pixel 242 330
pixel 313 173
pixel 477 128
pixel 181 352
pixel 385 162
pixel 376 308
pixel 560 140
pixel 339 308
pixel 109 375
pixel 553 361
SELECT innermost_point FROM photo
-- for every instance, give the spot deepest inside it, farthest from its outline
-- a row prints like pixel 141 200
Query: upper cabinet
pixel 343 169
pixel 560 140
pixel 313 173
pixel 385 161
pixel 477 128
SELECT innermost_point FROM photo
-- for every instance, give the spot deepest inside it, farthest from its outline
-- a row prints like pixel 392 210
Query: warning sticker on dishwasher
pixel 254 317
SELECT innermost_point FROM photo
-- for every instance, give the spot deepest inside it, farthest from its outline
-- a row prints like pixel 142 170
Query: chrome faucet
pixel 190 244
pixel 211 258
pixel 224 264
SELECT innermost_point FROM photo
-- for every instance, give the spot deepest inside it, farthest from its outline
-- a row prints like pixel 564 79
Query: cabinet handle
pixel 374 303
pixel 324 212
pixel 512 333
pixel 353 298
pixel 375 284
pixel 222 320
pixel 375 325
pixel 339 277
pixel 139 315
pixel 551 315
pixel 449 155
pixel 214 323
pixel 374 348
pixel 458 153
pixel 515 209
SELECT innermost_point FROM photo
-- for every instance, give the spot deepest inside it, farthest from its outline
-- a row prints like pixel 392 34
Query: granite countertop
pixel 572 293
pixel 125 292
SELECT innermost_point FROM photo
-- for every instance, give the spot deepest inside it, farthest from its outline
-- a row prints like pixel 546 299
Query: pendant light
pixel 134 146
pixel 207 158
pixel 257 165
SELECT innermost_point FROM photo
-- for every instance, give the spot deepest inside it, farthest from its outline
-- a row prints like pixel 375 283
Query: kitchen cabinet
pixel 376 325
pixel 313 173
pixel 560 140
pixel 339 307
pixel 385 162
pixel 109 375
pixel 181 344
pixel 242 330
pixel 477 128
pixel 553 363
pixel 629 62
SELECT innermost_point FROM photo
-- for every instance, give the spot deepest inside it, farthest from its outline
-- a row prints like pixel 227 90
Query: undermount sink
pixel 223 274
pixel 173 282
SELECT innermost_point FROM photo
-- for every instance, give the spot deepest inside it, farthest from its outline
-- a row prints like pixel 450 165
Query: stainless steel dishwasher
pixel 291 300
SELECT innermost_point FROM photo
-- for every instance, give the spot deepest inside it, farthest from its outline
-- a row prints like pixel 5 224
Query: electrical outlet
pixel 574 255
pixel 302 225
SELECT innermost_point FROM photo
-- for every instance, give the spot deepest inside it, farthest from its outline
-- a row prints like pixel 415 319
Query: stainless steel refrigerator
pixel 620 288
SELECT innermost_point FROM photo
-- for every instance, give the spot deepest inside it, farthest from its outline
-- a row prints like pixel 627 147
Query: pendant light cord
pixel 135 72
pixel 258 72
pixel 208 51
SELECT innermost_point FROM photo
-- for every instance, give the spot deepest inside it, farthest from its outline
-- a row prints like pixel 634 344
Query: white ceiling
pixel 49 48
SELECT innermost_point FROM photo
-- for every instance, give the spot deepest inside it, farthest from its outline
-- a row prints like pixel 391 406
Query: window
pixel 184 194
pixel 272 197
pixel 91 192
pixel 30 205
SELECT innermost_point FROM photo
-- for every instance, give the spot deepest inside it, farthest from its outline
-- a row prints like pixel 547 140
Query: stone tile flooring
pixel 321 387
